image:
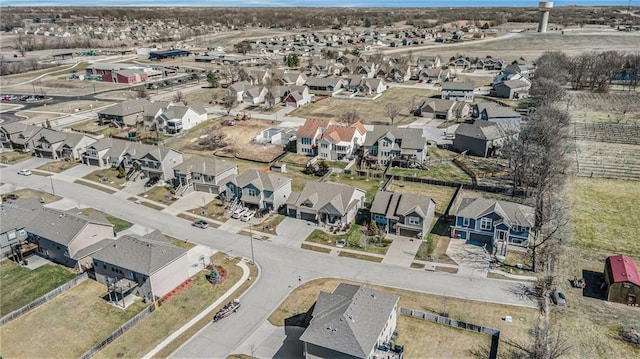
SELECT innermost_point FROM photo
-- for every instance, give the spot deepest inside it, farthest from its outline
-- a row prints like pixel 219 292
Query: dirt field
pixel 371 112
pixel 615 106
pixel 42 113
pixel 58 85
pixel 238 139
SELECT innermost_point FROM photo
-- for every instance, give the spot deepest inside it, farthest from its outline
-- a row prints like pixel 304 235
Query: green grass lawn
pixel 58 166
pixel 360 256
pixel 442 195
pixel 107 176
pixel 118 223
pixel 20 286
pixel 160 194
pixel 67 326
pixel 270 225
pixel 369 185
pixel 180 242
pixel 354 239
pixel 604 214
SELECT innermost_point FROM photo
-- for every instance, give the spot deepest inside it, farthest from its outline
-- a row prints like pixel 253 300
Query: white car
pixel 239 212
pixel 247 216
pixel 25 172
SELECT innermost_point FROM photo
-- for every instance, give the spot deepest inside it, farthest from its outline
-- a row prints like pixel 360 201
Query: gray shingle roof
pixel 411 137
pixel 204 165
pixel 494 110
pixel 393 205
pixel 457 86
pixel 60 227
pixel 319 194
pixel 125 108
pixel 350 319
pixel 511 213
pixel 264 181
pixel 138 254
pixel 484 130
pixel 13 216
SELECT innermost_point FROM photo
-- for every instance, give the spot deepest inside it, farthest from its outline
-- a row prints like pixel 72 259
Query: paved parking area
pixel 402 251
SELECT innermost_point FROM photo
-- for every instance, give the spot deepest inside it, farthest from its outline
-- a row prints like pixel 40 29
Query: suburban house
pixel 238 89
pixel 286 77
pixel 459 91
pixel 60 145
pixel 403 214
pixel 73 146
pixel 18 136
pixel 623 280
pixel 13 232
pixel 434 75
pixel 204 174
pixel 387 143
pixel 258 77
pixel 274 136
pixel 351 322
pixel 490 64
pixel 442 109
pixel 325 84
pixel 340 142
pixel 308 135
pixel 178 118
pixel 67 237
pixel 512 89
pixel 491 111
pixel 496 224
pixel 298 96
pixel 480 138
pixel 428 62
pixel 326 203
pixel 148 266
pixel 96 153
pixel 254 95
pixel 371 86
pixel 258 189
pixel 124 113
pixel 460 64
pixel 521 67
pixel 158 162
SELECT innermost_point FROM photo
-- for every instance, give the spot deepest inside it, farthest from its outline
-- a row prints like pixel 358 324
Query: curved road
pixel 281 263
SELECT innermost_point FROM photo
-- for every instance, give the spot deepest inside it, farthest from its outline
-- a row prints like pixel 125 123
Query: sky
pixel 316 3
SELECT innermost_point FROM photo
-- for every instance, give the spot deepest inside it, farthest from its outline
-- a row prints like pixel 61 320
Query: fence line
pixel 495 333
pixel 118 332
pixel 43 299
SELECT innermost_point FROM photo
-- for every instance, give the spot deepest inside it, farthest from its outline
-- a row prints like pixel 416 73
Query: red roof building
pixel 623 280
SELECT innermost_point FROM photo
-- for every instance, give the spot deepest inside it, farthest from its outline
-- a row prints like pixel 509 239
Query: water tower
pixel 544 7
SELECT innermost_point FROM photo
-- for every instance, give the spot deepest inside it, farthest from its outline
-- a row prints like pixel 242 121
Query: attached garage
pixel 205 188
pixel 292 212
pixel 307 216
pixel 92 161
pixel 481 238
pixel 405 232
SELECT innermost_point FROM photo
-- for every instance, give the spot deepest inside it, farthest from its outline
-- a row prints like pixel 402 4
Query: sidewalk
pixel 203 314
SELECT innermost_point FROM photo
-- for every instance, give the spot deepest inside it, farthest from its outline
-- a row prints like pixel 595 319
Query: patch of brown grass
pixel 57 166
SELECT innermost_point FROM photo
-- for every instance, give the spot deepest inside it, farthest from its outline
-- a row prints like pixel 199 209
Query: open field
pixel 57 85
pixel 614 107
pixel 428 336
pixel 441 194
pixel 447 171
pixel 20 285
pixel 371 112
pixel 572 43
pixel 591 325
pixel 173 314
pixel 604 214
pixel 54 327
pixel 606 159
pixel 204 96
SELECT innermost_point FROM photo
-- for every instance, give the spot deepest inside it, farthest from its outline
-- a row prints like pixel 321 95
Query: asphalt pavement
pixel 281 265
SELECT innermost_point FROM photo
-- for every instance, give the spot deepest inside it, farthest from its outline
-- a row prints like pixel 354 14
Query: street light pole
pixel 53 190
pixel 251 240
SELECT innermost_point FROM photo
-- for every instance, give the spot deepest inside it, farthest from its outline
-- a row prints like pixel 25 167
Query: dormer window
pixel 486 224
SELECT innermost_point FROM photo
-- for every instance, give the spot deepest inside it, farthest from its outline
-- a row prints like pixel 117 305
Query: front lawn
pixel 353 239
pixel 14 157
pixel 58 166
pixel 118 223
pixel 20 285
pixel 66 326
pixel 270 225
pixel 213 210
pixel 107 176
pixel 160 194
pixel 32 193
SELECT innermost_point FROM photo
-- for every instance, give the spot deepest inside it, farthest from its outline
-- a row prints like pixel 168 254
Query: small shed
pixel 623 280
pixel 279 167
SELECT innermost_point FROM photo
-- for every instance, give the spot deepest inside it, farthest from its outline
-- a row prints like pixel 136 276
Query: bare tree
pixel 392 111
pixel 269 100
pixel 412 104
pixel 141 92
pixel 179 97
pixel 228 101
pixel 545 91
pixel 350 117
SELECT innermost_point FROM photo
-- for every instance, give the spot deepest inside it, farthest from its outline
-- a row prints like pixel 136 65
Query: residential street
pixel 281 263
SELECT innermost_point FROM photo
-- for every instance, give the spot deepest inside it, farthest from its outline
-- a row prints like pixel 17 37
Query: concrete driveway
pixel 269 341
pixel 293 231
pixel 472 259
pixel 402 251
pixel 193 200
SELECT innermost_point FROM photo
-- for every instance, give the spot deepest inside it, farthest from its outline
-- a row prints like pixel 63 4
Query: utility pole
pixel 53 190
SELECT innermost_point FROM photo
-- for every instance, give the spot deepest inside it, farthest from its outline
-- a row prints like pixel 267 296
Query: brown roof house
pixel 326 203
pixel 351 322
pixel 148 266
pixel 403 214
pixel 623 280
pixel 341 142
pixel 204 174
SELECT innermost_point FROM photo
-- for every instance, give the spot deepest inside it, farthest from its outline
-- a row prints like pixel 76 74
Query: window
pixel 465 222
pixel 252 192
pixel 104 265
pixel 22 232
pixel 414 220
pixel 516 228
pixel 324 145
pixel 486 224
pixel 11 235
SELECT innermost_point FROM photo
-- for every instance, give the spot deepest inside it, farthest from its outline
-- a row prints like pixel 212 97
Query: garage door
pixel 408 233
pixel 308 216
pixel 480 238
pixel 292 212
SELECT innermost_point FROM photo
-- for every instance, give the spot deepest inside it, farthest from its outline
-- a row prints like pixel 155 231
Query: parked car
pixel 200 224
pixel 558 297
pixel 246 217
pixel 25 172
pixel 238 213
